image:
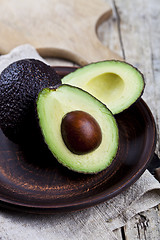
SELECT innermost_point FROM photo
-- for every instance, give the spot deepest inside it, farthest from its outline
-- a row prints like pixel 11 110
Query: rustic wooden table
pixel 133 32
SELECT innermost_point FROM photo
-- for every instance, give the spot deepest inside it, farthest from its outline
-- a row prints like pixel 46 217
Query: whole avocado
pixel 20 84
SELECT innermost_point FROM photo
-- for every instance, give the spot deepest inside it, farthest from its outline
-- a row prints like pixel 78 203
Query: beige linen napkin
pixel 97 222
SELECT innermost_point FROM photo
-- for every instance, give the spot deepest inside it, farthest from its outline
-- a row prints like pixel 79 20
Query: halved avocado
pixel 20 83
pixel 115 83
pixel 61 113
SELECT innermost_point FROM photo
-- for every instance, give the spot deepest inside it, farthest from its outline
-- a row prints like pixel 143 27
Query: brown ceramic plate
pixel 32 181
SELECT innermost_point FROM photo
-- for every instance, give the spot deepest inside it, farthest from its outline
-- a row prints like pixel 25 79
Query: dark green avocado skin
pixel 20 84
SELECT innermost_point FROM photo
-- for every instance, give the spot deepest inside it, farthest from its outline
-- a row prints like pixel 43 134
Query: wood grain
pixel 56 28
pixel 144 226
pixel 133 32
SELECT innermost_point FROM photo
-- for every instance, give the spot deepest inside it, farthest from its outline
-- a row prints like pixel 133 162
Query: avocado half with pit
pixel 20 83
pixel 115 83
pixel 79 130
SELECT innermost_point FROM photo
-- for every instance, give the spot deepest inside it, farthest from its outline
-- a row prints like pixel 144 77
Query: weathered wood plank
pixel 109 32
pixel 145 226
pixel 140 38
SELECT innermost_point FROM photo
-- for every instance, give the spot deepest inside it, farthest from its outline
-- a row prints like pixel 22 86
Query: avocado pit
pixel 81 133
pixel 72 118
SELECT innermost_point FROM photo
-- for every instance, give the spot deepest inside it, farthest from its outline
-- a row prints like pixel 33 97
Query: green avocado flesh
pixel 115 83
pixel 53 105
